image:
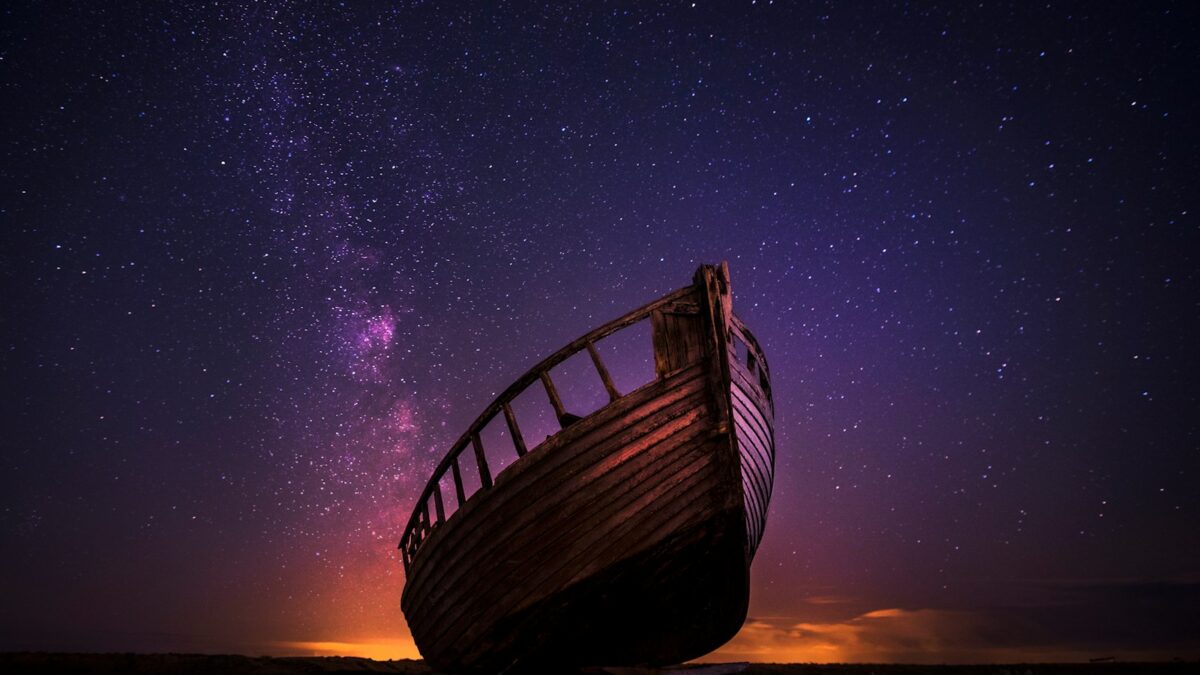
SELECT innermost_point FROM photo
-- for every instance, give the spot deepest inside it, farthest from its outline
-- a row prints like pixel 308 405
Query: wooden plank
pixel 758 461
pixel 686 339
pixel 485 474
pixel 518 440
pixel 591 545
pixel 673 390
pixel 754 456
pixel 458 484
pixel 658 336
pixel 583 562
pixel 753 414
pixel 754 449
pixel 756 493
pixel 751 389
pixel 750 341
pixel 543 553
pixel 437 504
pixel 693 556
pixel 555 401
pixel 749 429
pixel 620 422
pixel 477 536
pixel 677 341
pixel 474 535
pixel 713 291
pixel 636 522
pixel 611 388
pixel 423 522
pixel 563 522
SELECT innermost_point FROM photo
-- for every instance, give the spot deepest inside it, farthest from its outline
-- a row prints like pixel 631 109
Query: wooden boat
pixel 623 539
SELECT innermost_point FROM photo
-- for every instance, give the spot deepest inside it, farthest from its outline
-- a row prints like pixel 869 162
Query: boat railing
pixel 423 521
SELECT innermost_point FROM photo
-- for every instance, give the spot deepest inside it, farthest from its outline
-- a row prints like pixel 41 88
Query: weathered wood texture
pixel 420 524
pixel 623 539
pixel 582 504
pixel 754 429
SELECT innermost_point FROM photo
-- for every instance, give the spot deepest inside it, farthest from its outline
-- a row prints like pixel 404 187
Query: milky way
pixel 262 263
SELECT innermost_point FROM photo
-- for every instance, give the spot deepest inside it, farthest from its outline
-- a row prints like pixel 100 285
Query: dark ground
pixel 155 664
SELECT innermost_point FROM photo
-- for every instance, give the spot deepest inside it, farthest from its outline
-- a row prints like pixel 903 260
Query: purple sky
pixel 261 264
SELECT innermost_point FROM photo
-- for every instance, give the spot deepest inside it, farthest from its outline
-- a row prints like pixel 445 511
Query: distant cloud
pixel 883 635
pixel 1072 621
pixel 828 600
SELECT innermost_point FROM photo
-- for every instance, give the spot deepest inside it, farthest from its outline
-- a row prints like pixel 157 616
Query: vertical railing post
pixel 611 388
pixel 459 493
pixel 555 401
pixel 518 440
pixel 423 522
pixel 485 475
pixel 437 502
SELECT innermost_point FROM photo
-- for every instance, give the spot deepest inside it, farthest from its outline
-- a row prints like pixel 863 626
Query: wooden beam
pixel 555 401
pixel 458 484
pixel 611 388
pixel 485 475
pixel 437 504
pixel 423 523
pixel 518 440
pixel 658 337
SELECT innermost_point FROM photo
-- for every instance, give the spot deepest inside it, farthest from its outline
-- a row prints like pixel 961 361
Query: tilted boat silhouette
pixel 625 538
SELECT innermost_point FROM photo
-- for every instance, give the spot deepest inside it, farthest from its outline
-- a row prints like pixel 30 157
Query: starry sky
pixel 262 262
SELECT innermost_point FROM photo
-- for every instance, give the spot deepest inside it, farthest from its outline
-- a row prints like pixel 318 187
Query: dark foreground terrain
pixel 197 664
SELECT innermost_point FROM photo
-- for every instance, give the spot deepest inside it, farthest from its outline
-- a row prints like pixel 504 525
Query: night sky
pixel 260 264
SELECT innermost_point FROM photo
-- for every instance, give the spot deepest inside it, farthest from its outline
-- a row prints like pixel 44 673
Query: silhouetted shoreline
pixel 187 664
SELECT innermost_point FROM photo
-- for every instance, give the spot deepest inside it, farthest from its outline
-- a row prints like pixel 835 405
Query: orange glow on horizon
pixel 381 649
pixel 888 635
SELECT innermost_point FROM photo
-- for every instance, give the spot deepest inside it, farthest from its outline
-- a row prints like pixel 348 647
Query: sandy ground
pixel 196 664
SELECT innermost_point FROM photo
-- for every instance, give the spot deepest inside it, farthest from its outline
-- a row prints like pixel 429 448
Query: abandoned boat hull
pixel 625 538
